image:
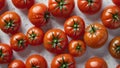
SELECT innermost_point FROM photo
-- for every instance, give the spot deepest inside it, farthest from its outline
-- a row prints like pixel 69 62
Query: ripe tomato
pixel 61 8
pixel 10 22
pixel 2 4
pixel 77 48
pixel 38 15
pixel 21 4
pixel 111 17
pixel 118 66
pixel 89 6
pixel 114 47
pixel 74 27
pixel 36 61
pixel 116 2
pixel 16 64
pixel 5 53
pixel 95 35
pixel 63 61
pixel 96 62
pixel 19 42
pixel 35 36
pixel 55 41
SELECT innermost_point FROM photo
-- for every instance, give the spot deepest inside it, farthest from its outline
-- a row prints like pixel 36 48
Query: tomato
pixel 118 66
pixel 21 4
pixel 2 4
pixel 111 17
pixel 74 27
pixel 114 47
pixel 38 14
pixel 89 6
pixel 116 2
pixel 96 62
pixel 35 36
pixel 10 22
pixel 16 64
pixel 6 53
pixel 95 35
pixel 61 8
pixel 19 42
pixel 63 61
pixel 55 41
pixel 36 61
pixel 77 48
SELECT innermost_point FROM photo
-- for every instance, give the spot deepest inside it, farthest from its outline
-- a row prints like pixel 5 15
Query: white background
pixel 58 23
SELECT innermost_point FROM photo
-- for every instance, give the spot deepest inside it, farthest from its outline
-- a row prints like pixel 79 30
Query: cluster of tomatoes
pixel 55 40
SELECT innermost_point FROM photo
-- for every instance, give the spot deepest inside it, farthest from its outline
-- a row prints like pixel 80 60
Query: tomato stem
pixel 93 29
pixel 32 35
pixel 21 42
pixel 61 3
pixel 9 24
pixel 75 25
pixel 90 2
pixel 47 15
pixel 1 53
pixel 115 16
pixel 118 49
pixel 78 47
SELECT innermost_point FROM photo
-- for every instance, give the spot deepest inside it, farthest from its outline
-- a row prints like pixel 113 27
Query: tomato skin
pixel 38 14
pixel 2 4
pixel 6 53
pixel 77 48
pixel 19 42
pixel 16 64
pixel 74 27
pixel 91 7
pixel 95 35
pixel 35 36
pixel 116 2
pixel 55 41
pixel 21 4
pixel 36 61
pixel 96 62
pixel 67 7
pixel 10 22
pixel 114 47
pixel 111 17
pixel 63 58
pixel 118 66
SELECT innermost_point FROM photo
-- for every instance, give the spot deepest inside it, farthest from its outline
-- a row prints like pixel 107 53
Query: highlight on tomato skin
pixel 61 8
pixel 118 66
pixel 16 64
pixel 89 7
pixel 22 4
pixel 39 14
pixel 2 4
pixel 96 62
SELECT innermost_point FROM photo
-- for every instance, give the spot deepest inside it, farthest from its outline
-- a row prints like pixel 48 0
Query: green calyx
pixel 64 64
pixel 117 49
pixel 1 53
pixel 61 4
pixel 9 24
pixel 75 25
pixel 21 42
pixel 90 2
pixel 93 29
pixel 78 47
pixel 115 16
pixel 32 36
pixel 46 15
pixel 34 66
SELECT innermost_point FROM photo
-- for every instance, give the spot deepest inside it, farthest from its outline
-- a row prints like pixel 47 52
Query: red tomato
pixel 36 61
pixel 19 42
pixel 77 48
pixel 95 35
pixel 55 41
pixel 5 53
pixel 21 4
pixel 35 36
pixel 63 61
pixel 61 8
pixel 89 6
pixel 39 15
pixel 118 66
pixel 74 27
pixel 2 4
pixel 114 47
pixel 96 62
pixel 10 22
pixel 111 17
pixel 16 64
pixel 116 2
